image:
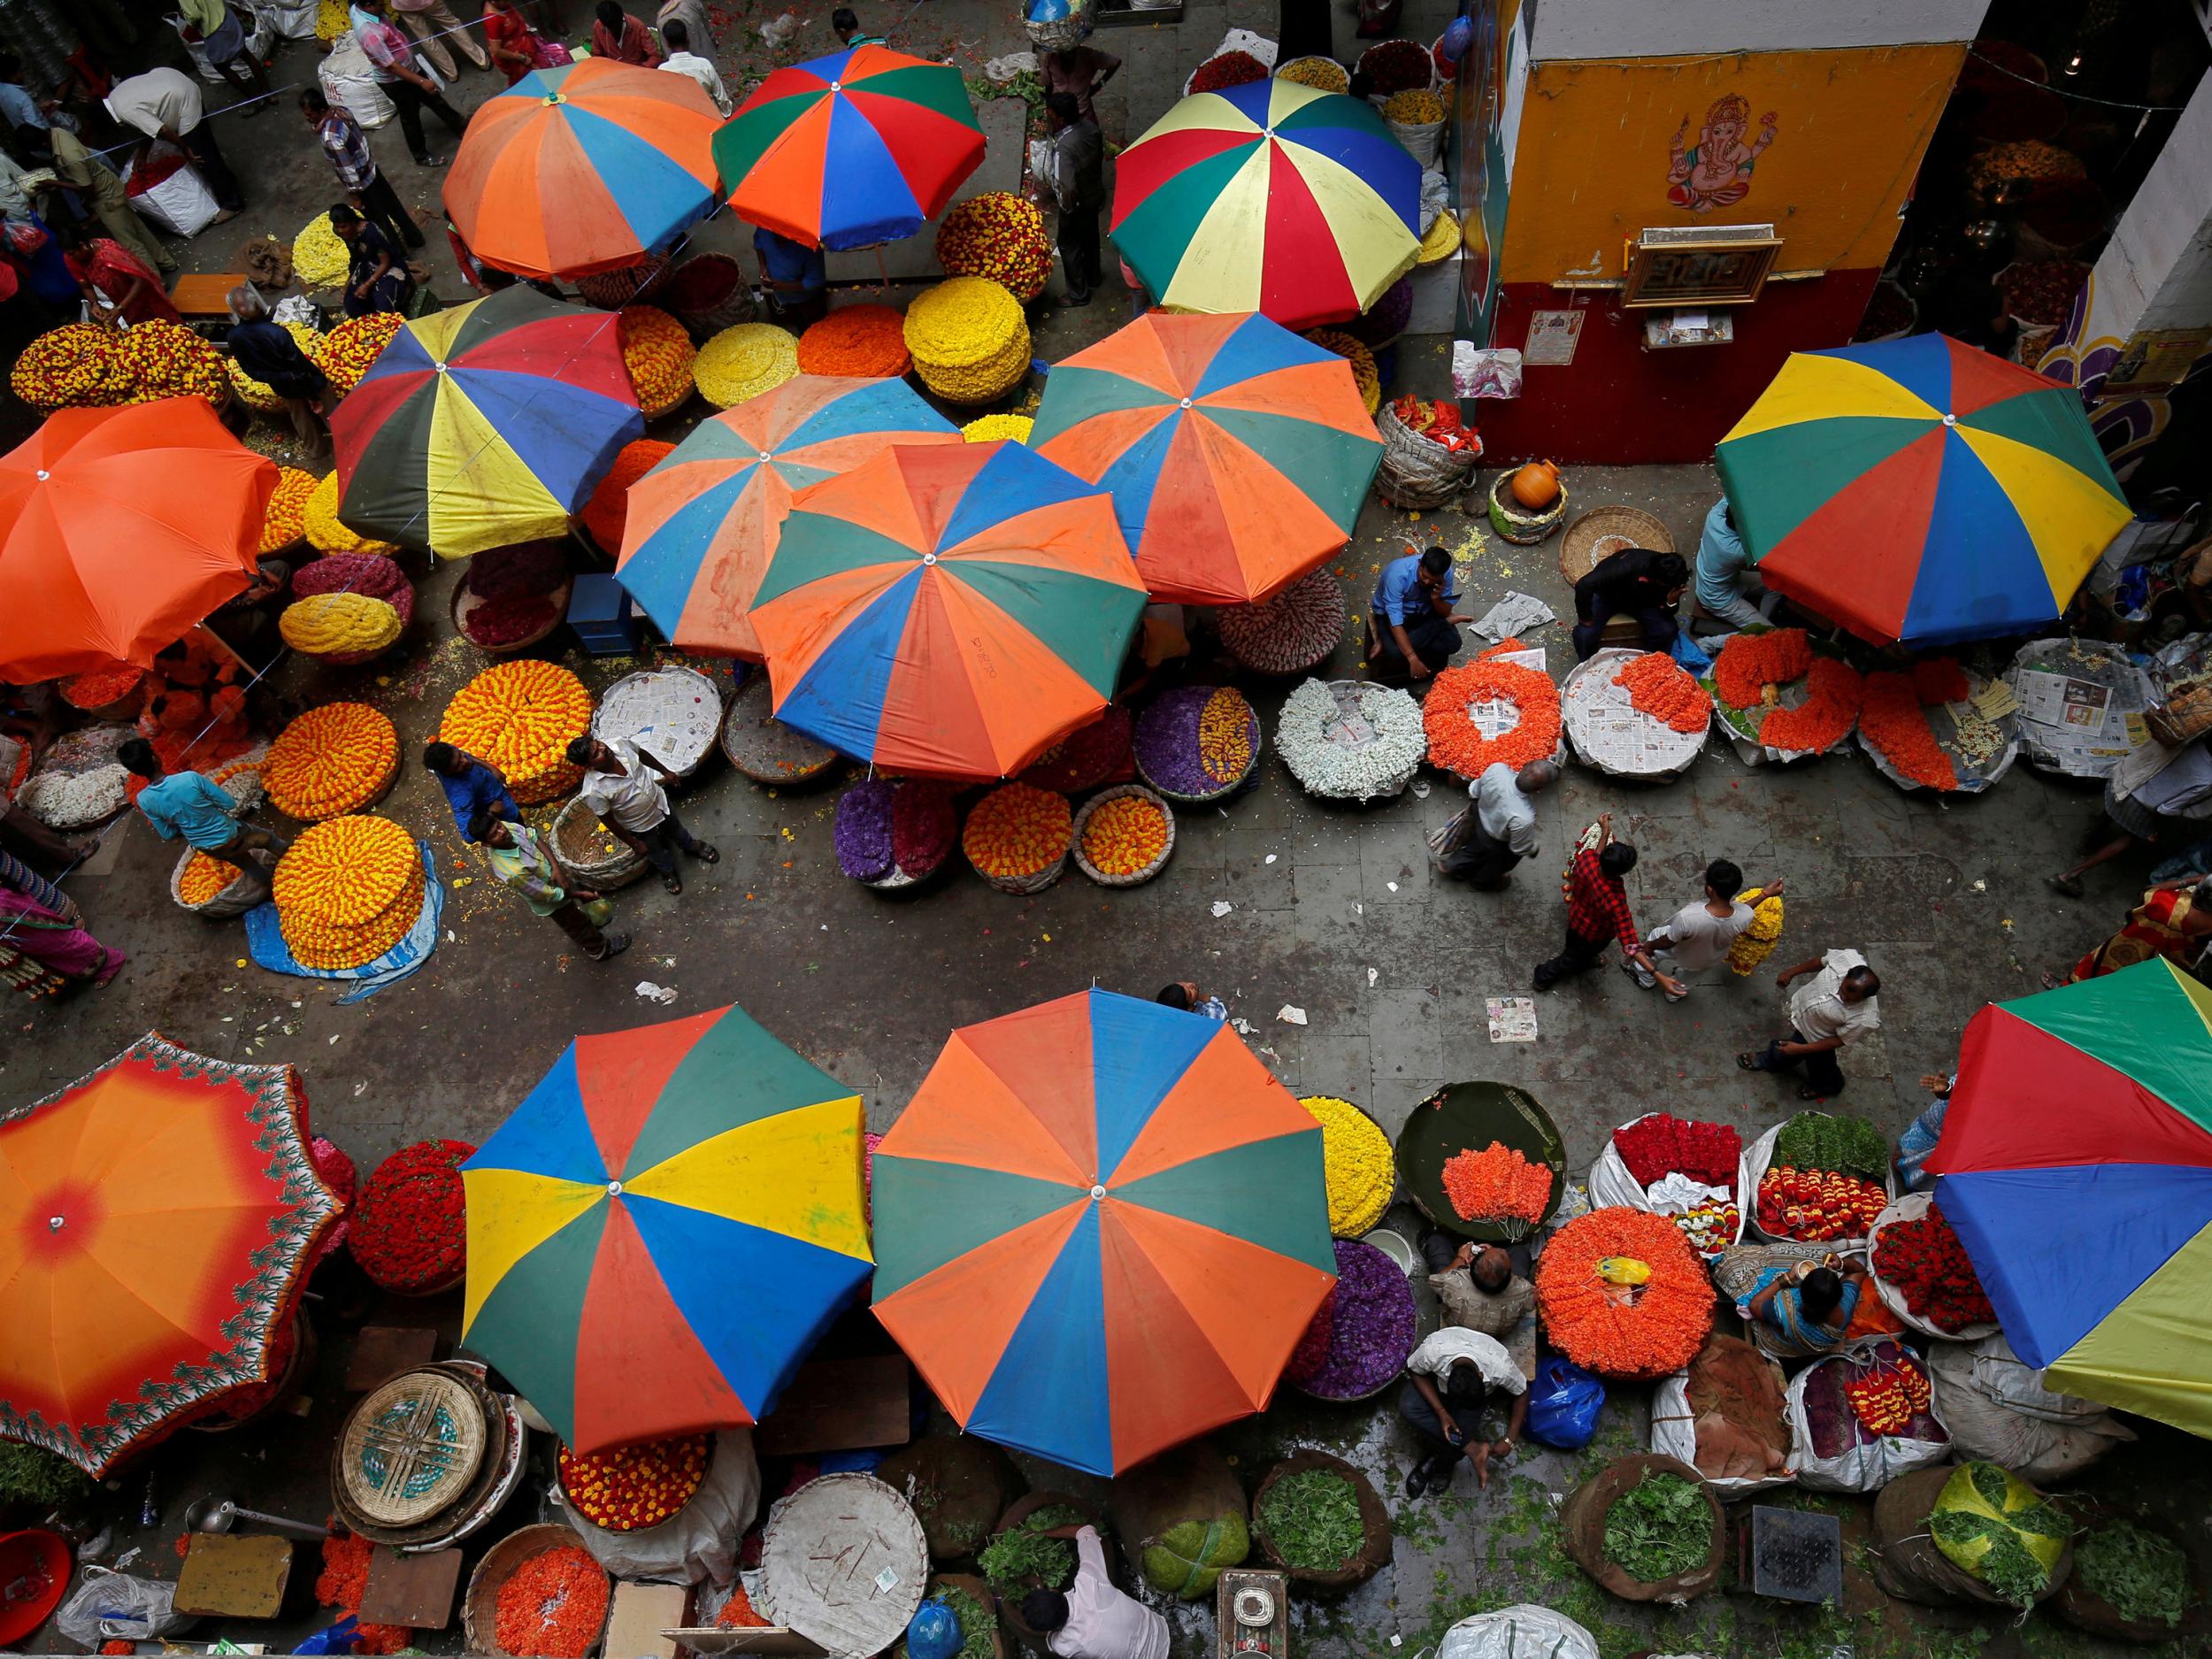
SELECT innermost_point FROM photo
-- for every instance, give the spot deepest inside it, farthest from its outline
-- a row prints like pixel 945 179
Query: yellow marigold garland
pixel 345 871
pixel 74 366
pixel 351 349
pixel 330 761
pixel 744 361
pixel 1416 106
pixel 1756 943
pixel 319 520
pixel 1324 74
pixel 323 625
pixel 160 359
pixel 320 257
pixel 520 717
pixel 1364 373
pixel 999 235
pixel 1017 830
pixel 286 519
pixel 989 428
pixel 658 354
pixel 204 876
pixel 969 339
pixel 1360 1169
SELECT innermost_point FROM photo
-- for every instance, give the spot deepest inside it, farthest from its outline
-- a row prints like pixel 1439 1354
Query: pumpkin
pixel 1536 486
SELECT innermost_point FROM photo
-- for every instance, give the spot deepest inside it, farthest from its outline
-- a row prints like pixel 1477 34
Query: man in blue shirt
pixel 794 275
pixel 1727 589
pixel 470 786
pixel 1412 629
pixel 187 804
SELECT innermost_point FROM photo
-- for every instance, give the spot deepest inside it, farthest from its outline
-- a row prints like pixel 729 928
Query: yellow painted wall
pixel 1593 161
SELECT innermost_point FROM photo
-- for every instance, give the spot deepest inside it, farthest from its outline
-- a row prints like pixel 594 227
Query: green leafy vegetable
pixel 2142 1576
pixel 1313 1520
pixel 1661 1527
pixel 34 1477
pixel 976 1624
pixel 1819 1140
pixel 1022 1557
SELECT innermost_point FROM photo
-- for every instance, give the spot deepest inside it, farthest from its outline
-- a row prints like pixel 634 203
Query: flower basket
pixel 1191 746
pixel 1397 65
pixel 1417 471
pixel 1778 671
pixel 1351 740
pixel 589 854
pixel 744 361
pixel 234 897
pixel 1479 713
pixel 763 747
pixel 1610 733
pixel 1582 1530
pixel 1375 1531
pixel 675 712
pixel 521 716
pixel 1516 523
pixel 533 617
pixel 1323 75
pixel 1009 836
pixel 410 1450
pixel 1089 811
pixel 479 1611
pixel 633 285
pixel 969 338
pixel 707 293
pixel 1290 630
pixel 657 353
pixel 1372 1324
pixel 1362 1175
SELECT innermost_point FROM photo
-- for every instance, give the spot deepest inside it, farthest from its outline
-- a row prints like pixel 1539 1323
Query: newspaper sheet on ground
pixel 2081 705
pixel 1611 734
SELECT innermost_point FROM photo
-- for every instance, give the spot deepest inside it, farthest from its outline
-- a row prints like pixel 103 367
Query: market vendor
pixel 795 277
pixel 1079 72
pixel 1499 829
pixel 118 286
pixel 1094 1620
pixel 519 860
pixel 377 278
pixel 1920 1136
pixel 1837 1005
pixel 1597 913
pixel 190 804
pixel 470 786
pixel 1464 1396
pixel 1696 939
pixel 622 786
pixel 1186 995
pixel 1478 1289
pixel 265 352
pixel 1805 1311
pixel 1635 582
pixel 1728 589
pixel 1412 629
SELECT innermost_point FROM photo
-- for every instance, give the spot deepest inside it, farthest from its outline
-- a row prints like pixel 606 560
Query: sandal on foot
pixel 706 853
pixel 672 882
pixel 616 943
pixel 1747 1060
pixel 2065 886
pixel 1808 1092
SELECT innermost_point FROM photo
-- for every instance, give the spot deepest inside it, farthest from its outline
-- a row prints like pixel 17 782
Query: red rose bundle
pixel 1925 1263
pixel 1662 1144
pixel 409 1228
pixel 1225 70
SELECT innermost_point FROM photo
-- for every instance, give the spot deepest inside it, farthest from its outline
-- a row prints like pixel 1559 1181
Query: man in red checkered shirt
pixel 1598 913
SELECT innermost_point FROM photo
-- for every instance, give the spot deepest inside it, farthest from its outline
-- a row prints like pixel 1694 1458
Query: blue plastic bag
pixel 1691 656
pixel 934 1632
pixel 1563 1403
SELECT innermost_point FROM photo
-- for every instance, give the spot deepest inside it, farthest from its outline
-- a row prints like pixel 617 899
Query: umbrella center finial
pixel 43 476
pixel 837 86
pixel 555 97
pixel 614 1189
pixel 929 558
pixel 1098 1192
pixel 1950 420
pixel 1187 402
pixel 55 1224
pixel 442 368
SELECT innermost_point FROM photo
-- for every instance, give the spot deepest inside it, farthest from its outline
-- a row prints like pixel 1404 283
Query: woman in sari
pixel 116 283
pixel 1805 1311
pixel 43 945
pixel 2170 922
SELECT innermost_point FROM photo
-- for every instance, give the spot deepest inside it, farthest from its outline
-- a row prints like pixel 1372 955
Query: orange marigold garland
pixel 519 716
pixel 658 354
pixel 1621 1293
pixel 629 1488
pixel 285 521
pixel 351 349
pixel 1018 831
pixel 342 1582
pixel 1457 743
pixel 204 876
pixel 998 236
pixel 1662 687
pixel 554 1606
pixel 331 760
pixel 1823 719
pixel 1497 1185
pixel 857 341
pixel 349 890
pixel 609 508
pixel 1895 727
pixel 1751 661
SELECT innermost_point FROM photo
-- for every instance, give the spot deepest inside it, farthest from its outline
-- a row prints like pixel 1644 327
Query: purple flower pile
pixel 1166 742
pixel 1372 1324
pixel 1386 319
pixel 861 830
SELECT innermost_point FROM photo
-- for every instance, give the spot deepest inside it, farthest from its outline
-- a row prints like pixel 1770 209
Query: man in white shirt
pixel 1835 1006
pixel 1094 1620
pixel 165 103
pixel 1466 1397
pixel 676 39
pixel 622 787
pixel 1696 938
pixel 1500 829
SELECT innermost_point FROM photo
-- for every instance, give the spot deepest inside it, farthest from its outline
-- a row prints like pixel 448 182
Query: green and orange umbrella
pixel 1101 1226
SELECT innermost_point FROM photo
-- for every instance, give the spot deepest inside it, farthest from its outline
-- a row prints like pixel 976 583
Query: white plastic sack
pixel 1674 1434
pixel 700 1541
pixel 1424 141
pixel 180 204
pixel 349 79
pixel 1753 1170
pixel 110 1606
pixel 293 19
pixel 1914 1207
pixel 1435 198
pixel 1996 1407
pixel 1520 1631
pixel 1866 1468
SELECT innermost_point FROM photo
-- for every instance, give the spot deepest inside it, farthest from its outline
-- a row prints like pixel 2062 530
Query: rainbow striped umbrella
pixel 1100 1228
pixel 702 525
pixel 861 147
pixel 1920 491
pixel 1237 454
pixel 1270 198
pixel 587 167
pixel 953 610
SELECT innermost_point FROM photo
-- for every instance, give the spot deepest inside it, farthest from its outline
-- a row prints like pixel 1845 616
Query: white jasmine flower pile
pixel 1368 745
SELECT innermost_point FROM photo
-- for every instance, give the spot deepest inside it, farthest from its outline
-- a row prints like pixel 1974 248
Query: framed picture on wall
pixel 1700 265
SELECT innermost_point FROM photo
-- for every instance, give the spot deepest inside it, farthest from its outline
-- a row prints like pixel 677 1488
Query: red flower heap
pixel 1662 687
pixel 1225 70
pixel 1823 719
pixel 1751 662
pixel 342 1582
pixel 554 1606
pixel 629 1488
pixel 409 1231
pixel 1815 1206
pixel 1892 721
pixel 1941 680
pixel 860 340
pixel 1662 1144
pixel 1605 1317
pixel 1497 1184
pixel 1929 1268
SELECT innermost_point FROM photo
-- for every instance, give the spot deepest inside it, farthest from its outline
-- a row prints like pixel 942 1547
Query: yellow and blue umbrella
pixel 1920 491
pixel 667 1223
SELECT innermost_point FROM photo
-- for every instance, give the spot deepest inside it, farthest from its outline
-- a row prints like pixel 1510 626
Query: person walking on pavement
pixel 1837 1005
pixel 1696 938
pixel 222 31
pixel 189 804
pixel 1597 913
pixel 1079 184
pixel 1481 846
pixel 369 190
pixel 622 787
pixel 437 30
pixel 519 860
pixel 99 188
pixel 164 104
pixel 400 74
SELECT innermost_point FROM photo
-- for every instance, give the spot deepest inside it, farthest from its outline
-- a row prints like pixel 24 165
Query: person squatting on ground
pixel 189 804
pixel 1636 582
pixel 1412 629
pixel 1094 1620
pixel 1466 1398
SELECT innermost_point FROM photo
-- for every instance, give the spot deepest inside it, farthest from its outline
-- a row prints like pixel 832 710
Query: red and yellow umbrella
pixel 157 1218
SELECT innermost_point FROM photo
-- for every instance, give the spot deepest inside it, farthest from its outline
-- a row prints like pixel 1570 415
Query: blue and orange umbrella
pixel 1101 1226
pixel 861 147
pixel 666 1226
pixel 1920 491
pixel 953 610
pixel 2076 1166
pixel 586 167
pixel 702 526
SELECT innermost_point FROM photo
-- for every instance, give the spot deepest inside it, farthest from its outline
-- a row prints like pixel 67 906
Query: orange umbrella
pixel 119 530
pixel 157 1219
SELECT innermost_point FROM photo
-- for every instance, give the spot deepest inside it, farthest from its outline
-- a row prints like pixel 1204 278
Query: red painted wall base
pixel 1618 404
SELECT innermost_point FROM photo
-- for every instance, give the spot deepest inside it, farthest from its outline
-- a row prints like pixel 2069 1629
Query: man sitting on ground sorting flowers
pixel 1094 1620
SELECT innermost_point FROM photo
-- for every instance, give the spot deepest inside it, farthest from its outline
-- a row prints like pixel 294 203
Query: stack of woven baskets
pixel 427 1458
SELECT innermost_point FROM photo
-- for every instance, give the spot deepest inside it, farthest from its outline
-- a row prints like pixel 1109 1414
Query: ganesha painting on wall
pixel 1715 172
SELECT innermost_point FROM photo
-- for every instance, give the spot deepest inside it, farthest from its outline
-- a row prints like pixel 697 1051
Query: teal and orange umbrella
pixel 663 1229
pixel 1237 454
pixel 861 147
pixel 1101 1226
pixel 588 166
pixel 701 524
pixel 2076 1166
pixel 1919 491
pixel 953 610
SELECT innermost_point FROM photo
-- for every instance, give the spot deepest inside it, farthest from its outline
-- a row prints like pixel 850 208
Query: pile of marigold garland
pixel 1621 1293
pixel 1753 667
pixel 330 761
pixel 861 342
pixel 319 520
pixel 969 339
pixel 521 717
pixel 629 1488
pixel 744 361
pixel 1662 687
pixel 1196 743
pixel 285 519
pixel 1456 743
pixel 1893 719
pixel 1125 835
pixel 1018 831
pixel 351 349
pixel 658 355
pixel 997 235
pixel 1360 1171
pixel 349 890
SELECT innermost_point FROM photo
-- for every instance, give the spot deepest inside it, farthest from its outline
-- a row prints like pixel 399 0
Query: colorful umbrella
pixel 844 151
pixel 1102 1227
pixel 953 610
pixel 702 525
pixel 1920 491
pixel 586 167
pixel 484 425
pixel 1271 197
pixel 2076 1165
pixel 664 1226
pixel 119 530
pixel 157 1219
pixel 1237 454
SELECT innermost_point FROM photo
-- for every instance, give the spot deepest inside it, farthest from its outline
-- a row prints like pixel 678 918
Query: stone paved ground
pixel 1332 911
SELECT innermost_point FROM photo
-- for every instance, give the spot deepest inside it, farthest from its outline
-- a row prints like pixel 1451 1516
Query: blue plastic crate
pixel 604 616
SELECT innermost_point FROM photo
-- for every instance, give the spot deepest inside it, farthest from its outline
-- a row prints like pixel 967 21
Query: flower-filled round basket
pixel 1782 694
pixel 1087 757
pixel 767 751
pixel 589 852
pixel 1372 1325
pixel 707 293
pixel 369 574
pixel 516 595
pixel 658 354
pixel 626 285
pixel 1693 1165
pixel 349 889
pixel 1123 836
pixel 338 758
pixel 1197 744
pixel 744 361
pixel 537 1595
pixel 319 522
pixel 1635 714
pixel 1452 1145
pixel 284 522
pixel 344 628
pixel 1381 323
pixel 1365 375
pixel 860 342
pixel 893 835
pixel 1621 1293
pixel 1018 837
pixel 1396 65
pixel 105 694
pixel 629 1488
pixel 1323 75
pixel 1351 740
pixel 1485 711
pixel 259 395
pixel 409 1227
pixel 969 339
pixel 521 717
pixel 997 428
pixel 1223 71
pixel 1923 1273
pixel 74 366
pixel 351 349
pixel 208 886
pixel 1292 630
pixel 1361 1173
pixel 999 235
pixel 1429 453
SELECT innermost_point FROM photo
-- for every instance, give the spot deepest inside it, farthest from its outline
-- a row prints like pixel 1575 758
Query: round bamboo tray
pixel 410 1449
pixel 1472 1115
pixel 1083 816
pixel 497 1474
pixel 1516 523
pixel 479 1610
pixel 465 604
pixel 765 749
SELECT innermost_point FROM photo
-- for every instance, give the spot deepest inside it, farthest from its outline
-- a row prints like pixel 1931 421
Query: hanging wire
pixel 2078 97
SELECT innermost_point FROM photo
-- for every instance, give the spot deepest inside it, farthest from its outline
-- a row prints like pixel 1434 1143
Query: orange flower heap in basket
pixel 1497 1184
pixel 861 340
pixel 349 889
pixel 204 876
pixel 554 1606
pixel 1751 662
pixel 1017 830
pixel 1660 687
pixel 658 354
pixel 1895 725
pixel 350 350
pixel 520 717
pixel 997 235
pixel 627 1489
pixel 1457 743
pixel 1621 1293
pixel 1825 718
pixel 331 760
pixel 609 508
pixel 286 519
pixel 1125 835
